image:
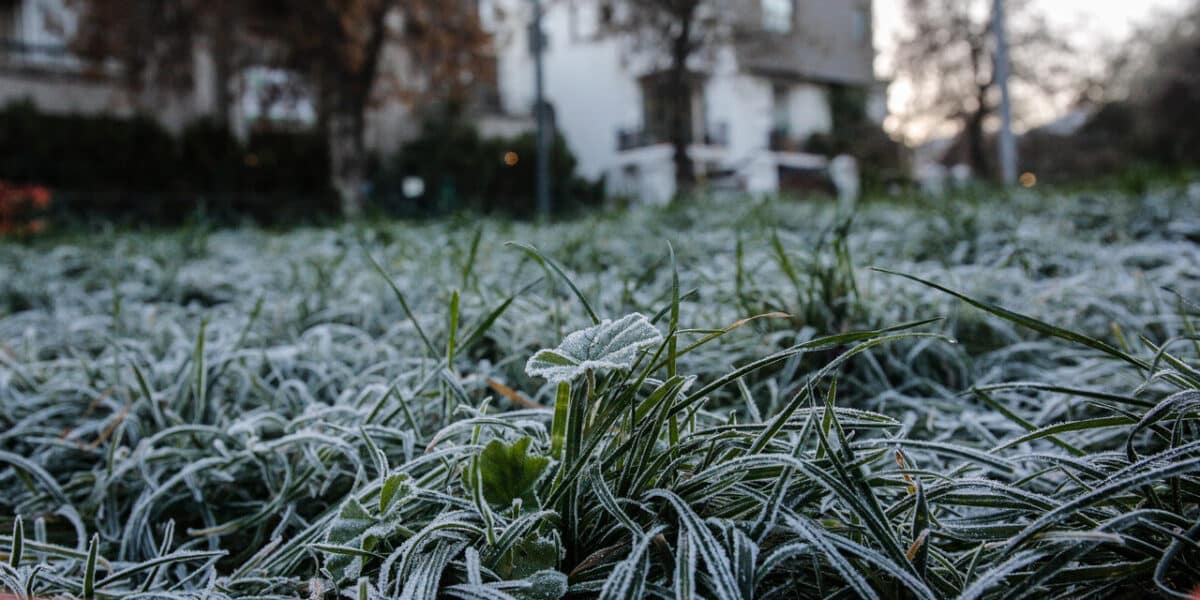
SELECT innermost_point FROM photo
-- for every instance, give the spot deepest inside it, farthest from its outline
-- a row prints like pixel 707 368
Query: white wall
pixel 593 92
pixel 47 25
pixel 593 83
pixel 58 97
pixel 808 110
pixel 45 22
pixel 744 102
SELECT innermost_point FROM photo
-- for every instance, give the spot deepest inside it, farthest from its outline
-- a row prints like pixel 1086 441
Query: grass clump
pixel 392 411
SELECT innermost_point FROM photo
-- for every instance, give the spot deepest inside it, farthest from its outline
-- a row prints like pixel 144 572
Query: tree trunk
pixel 347 90
pixel 680 100
pixel 222 74
pixel 685 170
pixel 347 157
pixel 976 151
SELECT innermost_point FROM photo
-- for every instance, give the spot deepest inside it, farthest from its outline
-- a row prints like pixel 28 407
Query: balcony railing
pixel 715 135
pixel 18 55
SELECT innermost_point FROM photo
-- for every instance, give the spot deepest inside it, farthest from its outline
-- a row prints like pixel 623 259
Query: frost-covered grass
pixel 393 410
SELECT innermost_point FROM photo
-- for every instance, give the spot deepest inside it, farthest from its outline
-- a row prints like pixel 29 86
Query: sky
pixel 1090 21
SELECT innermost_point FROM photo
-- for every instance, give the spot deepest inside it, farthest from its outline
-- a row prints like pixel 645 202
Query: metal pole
pixel 1008 144
pixel 543 126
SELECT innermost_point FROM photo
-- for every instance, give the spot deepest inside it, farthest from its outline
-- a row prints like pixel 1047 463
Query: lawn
pixel 729 399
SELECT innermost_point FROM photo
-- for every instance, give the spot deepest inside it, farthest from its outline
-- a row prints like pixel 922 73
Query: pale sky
pixel 1091 22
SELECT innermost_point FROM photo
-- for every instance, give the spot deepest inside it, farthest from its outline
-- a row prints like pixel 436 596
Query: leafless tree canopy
pixel 950 55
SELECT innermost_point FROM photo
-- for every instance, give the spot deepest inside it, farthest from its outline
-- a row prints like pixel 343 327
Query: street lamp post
pixel 1008 145
pixel 538 46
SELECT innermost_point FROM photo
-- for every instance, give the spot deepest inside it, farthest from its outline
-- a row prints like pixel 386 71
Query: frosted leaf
pixel 347 530
pixel 608 346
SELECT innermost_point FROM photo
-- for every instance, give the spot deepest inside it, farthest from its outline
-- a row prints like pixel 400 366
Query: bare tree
pixel 339 46
pixel 949 55
pixel 676 34
pixel 1165 90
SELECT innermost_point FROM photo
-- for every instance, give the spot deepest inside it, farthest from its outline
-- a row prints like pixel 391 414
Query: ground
pixel 231 413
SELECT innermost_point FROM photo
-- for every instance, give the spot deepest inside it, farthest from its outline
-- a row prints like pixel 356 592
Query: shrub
pixel 132 169
pixel 463 170
pixel 881 159
pixel 84 152
pixel 211 158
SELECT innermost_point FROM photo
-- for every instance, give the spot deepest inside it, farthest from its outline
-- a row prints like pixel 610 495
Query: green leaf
pixel 89 569
pixel 627 580
pixel 351 522
pixel 543 585
pixel 611 345
pixel 452 329
pixel 558 431
pixel 391 486
pixel 18 544
pixel 345 538
pixel 919 552
pixel 531 555
pixel 507 472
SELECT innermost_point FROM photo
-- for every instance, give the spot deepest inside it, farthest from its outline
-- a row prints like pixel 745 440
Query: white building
pixel 37 65
pixel 761 98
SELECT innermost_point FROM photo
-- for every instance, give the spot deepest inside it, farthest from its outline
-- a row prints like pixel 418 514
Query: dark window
pixel 8 19
pixel 862 23
pixel 607 14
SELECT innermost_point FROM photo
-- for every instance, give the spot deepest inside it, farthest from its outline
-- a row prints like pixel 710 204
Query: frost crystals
pixel 607 346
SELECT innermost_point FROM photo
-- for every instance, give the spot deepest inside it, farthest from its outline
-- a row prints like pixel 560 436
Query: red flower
pixel 20 206
pixel 40 196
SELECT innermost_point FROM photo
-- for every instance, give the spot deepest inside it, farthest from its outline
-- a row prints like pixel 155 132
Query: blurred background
pixel 279 111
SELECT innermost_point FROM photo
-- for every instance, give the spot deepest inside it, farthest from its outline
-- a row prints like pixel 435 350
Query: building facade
pixel 759 99
pixel 37 65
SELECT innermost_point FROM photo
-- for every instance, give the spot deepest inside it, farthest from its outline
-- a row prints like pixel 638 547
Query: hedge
pixel 133 169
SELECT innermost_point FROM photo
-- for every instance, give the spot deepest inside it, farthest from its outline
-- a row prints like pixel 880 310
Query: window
pixel 778 15
pixel 590 19
pixel 658 108
pixel 607 14
pixel 277 97
pixel 781 114
pixel 862 23
pixel 780 137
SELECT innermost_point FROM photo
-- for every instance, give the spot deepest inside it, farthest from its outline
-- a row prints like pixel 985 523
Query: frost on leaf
pixel 607 346
pixel 358 528
pixel 347 531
